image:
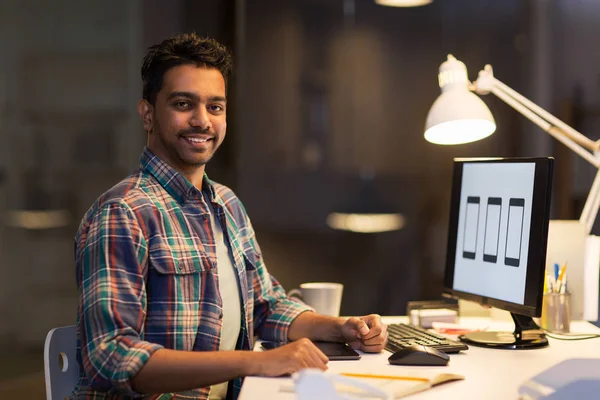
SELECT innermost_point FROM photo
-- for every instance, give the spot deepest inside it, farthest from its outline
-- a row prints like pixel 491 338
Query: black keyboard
pixel 404 335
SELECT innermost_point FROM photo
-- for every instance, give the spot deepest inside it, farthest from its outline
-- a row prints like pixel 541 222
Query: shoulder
pixel 131 192
pixel 130 196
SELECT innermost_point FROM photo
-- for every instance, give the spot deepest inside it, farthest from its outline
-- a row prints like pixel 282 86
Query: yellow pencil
pixel 399 378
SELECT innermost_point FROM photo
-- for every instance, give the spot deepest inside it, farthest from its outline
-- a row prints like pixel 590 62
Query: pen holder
pixel 556 312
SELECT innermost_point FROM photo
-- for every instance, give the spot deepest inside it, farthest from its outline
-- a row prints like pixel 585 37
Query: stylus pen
pixel 399 378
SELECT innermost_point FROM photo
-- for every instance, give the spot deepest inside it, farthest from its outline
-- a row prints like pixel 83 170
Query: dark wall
pixel 317 96
pixel 329 92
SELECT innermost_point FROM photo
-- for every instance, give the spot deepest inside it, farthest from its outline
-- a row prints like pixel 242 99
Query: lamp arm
pixel 568 130
pixel 552 130
pixel 562 132
pixel 590 209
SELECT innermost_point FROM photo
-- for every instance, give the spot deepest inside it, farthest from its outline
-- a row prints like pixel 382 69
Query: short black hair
pixel 180 49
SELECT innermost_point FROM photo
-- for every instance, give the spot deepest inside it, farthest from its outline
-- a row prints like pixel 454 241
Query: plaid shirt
pixel 146 267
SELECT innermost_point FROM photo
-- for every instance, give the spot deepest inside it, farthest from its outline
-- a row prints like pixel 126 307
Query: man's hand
pixel 366 333
pixel 291 358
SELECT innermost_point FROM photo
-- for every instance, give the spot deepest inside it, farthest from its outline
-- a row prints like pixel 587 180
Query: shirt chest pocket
pixel 174 288
pixel 167 261
pixel 175 274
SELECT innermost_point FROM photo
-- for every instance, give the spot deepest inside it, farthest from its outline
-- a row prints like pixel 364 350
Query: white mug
pixel 324 297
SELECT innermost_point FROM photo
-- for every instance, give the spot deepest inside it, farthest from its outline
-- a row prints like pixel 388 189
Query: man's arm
pixel 110 255
pixel 273 310
pixel 276 317
pixel 316 327
pixel 173 371
pixel 367 333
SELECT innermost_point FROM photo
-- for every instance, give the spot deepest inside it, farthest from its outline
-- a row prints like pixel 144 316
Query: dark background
pixel 323 90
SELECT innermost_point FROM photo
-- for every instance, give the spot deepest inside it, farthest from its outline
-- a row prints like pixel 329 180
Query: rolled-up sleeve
pixel 277 312
pixel 111 257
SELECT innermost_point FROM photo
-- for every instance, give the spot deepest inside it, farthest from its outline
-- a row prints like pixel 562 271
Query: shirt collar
pixel 173 181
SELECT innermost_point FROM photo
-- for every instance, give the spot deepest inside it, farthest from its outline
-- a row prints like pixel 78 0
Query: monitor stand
pixel 527 335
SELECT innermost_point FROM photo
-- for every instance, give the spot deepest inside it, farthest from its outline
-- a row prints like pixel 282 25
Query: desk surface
pixel 495 373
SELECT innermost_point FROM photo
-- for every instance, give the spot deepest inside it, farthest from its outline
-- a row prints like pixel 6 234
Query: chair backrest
pixel 61 368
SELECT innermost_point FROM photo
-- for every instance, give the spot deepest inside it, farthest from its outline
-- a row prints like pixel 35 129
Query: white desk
pixel 489 373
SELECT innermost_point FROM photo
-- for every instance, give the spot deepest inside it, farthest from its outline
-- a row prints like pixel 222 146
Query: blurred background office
pixel 327 109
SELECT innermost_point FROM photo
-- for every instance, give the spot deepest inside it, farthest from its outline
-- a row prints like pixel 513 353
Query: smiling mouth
pixel 195 140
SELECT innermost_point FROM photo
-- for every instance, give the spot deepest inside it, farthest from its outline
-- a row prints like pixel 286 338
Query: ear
pixel 145 110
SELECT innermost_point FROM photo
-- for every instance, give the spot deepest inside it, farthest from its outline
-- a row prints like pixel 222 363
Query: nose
pixel 201 119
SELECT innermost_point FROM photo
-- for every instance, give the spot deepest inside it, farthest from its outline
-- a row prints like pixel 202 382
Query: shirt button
pixel 221 315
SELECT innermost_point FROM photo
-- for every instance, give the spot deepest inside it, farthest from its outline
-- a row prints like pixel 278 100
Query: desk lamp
pixel 459 116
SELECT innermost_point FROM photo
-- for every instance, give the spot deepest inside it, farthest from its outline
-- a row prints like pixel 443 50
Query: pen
pixel 393 377
pixel 551 283
pixel 561 279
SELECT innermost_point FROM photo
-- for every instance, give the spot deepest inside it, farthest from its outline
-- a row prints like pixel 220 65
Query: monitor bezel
pixel 538 237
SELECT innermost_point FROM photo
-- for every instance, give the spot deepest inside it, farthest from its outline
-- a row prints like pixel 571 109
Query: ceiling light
pixel 403 3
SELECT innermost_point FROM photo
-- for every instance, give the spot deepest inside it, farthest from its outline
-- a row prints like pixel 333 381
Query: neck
pixel 195 176
pixel 192 173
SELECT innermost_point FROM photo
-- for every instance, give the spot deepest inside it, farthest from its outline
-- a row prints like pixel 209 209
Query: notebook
pixel 379 386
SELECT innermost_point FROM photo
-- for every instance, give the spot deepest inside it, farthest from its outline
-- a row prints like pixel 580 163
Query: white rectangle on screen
pixel 492 229
pixel 471 228
pixel 514 234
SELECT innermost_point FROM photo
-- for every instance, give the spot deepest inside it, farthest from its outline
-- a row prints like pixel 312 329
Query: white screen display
pixel 494 222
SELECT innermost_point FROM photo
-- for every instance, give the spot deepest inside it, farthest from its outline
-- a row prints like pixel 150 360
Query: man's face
pixel 187 123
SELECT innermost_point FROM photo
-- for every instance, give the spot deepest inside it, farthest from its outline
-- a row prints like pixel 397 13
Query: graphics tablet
pixel 333 350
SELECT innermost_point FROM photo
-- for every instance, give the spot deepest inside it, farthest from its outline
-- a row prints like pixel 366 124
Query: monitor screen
pixel 498 233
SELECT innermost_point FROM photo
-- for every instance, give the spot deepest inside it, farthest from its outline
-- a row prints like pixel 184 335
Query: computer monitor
pixel 497 241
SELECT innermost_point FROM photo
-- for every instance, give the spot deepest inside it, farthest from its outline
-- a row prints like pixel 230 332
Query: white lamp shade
pixel 458 116
pixel 403 3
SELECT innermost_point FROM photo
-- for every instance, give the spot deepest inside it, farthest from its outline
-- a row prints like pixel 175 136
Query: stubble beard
pixel 177 154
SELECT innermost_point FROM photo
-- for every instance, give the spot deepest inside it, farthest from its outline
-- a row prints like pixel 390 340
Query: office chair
pixel 61 369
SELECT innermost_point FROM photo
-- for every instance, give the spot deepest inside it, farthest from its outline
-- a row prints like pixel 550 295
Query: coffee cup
pixel 324 297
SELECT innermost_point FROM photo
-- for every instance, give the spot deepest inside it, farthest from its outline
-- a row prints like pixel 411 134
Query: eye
pixel 182 104
pixel 216 108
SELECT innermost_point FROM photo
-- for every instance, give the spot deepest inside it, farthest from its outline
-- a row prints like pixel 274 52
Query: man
pixel 172 283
